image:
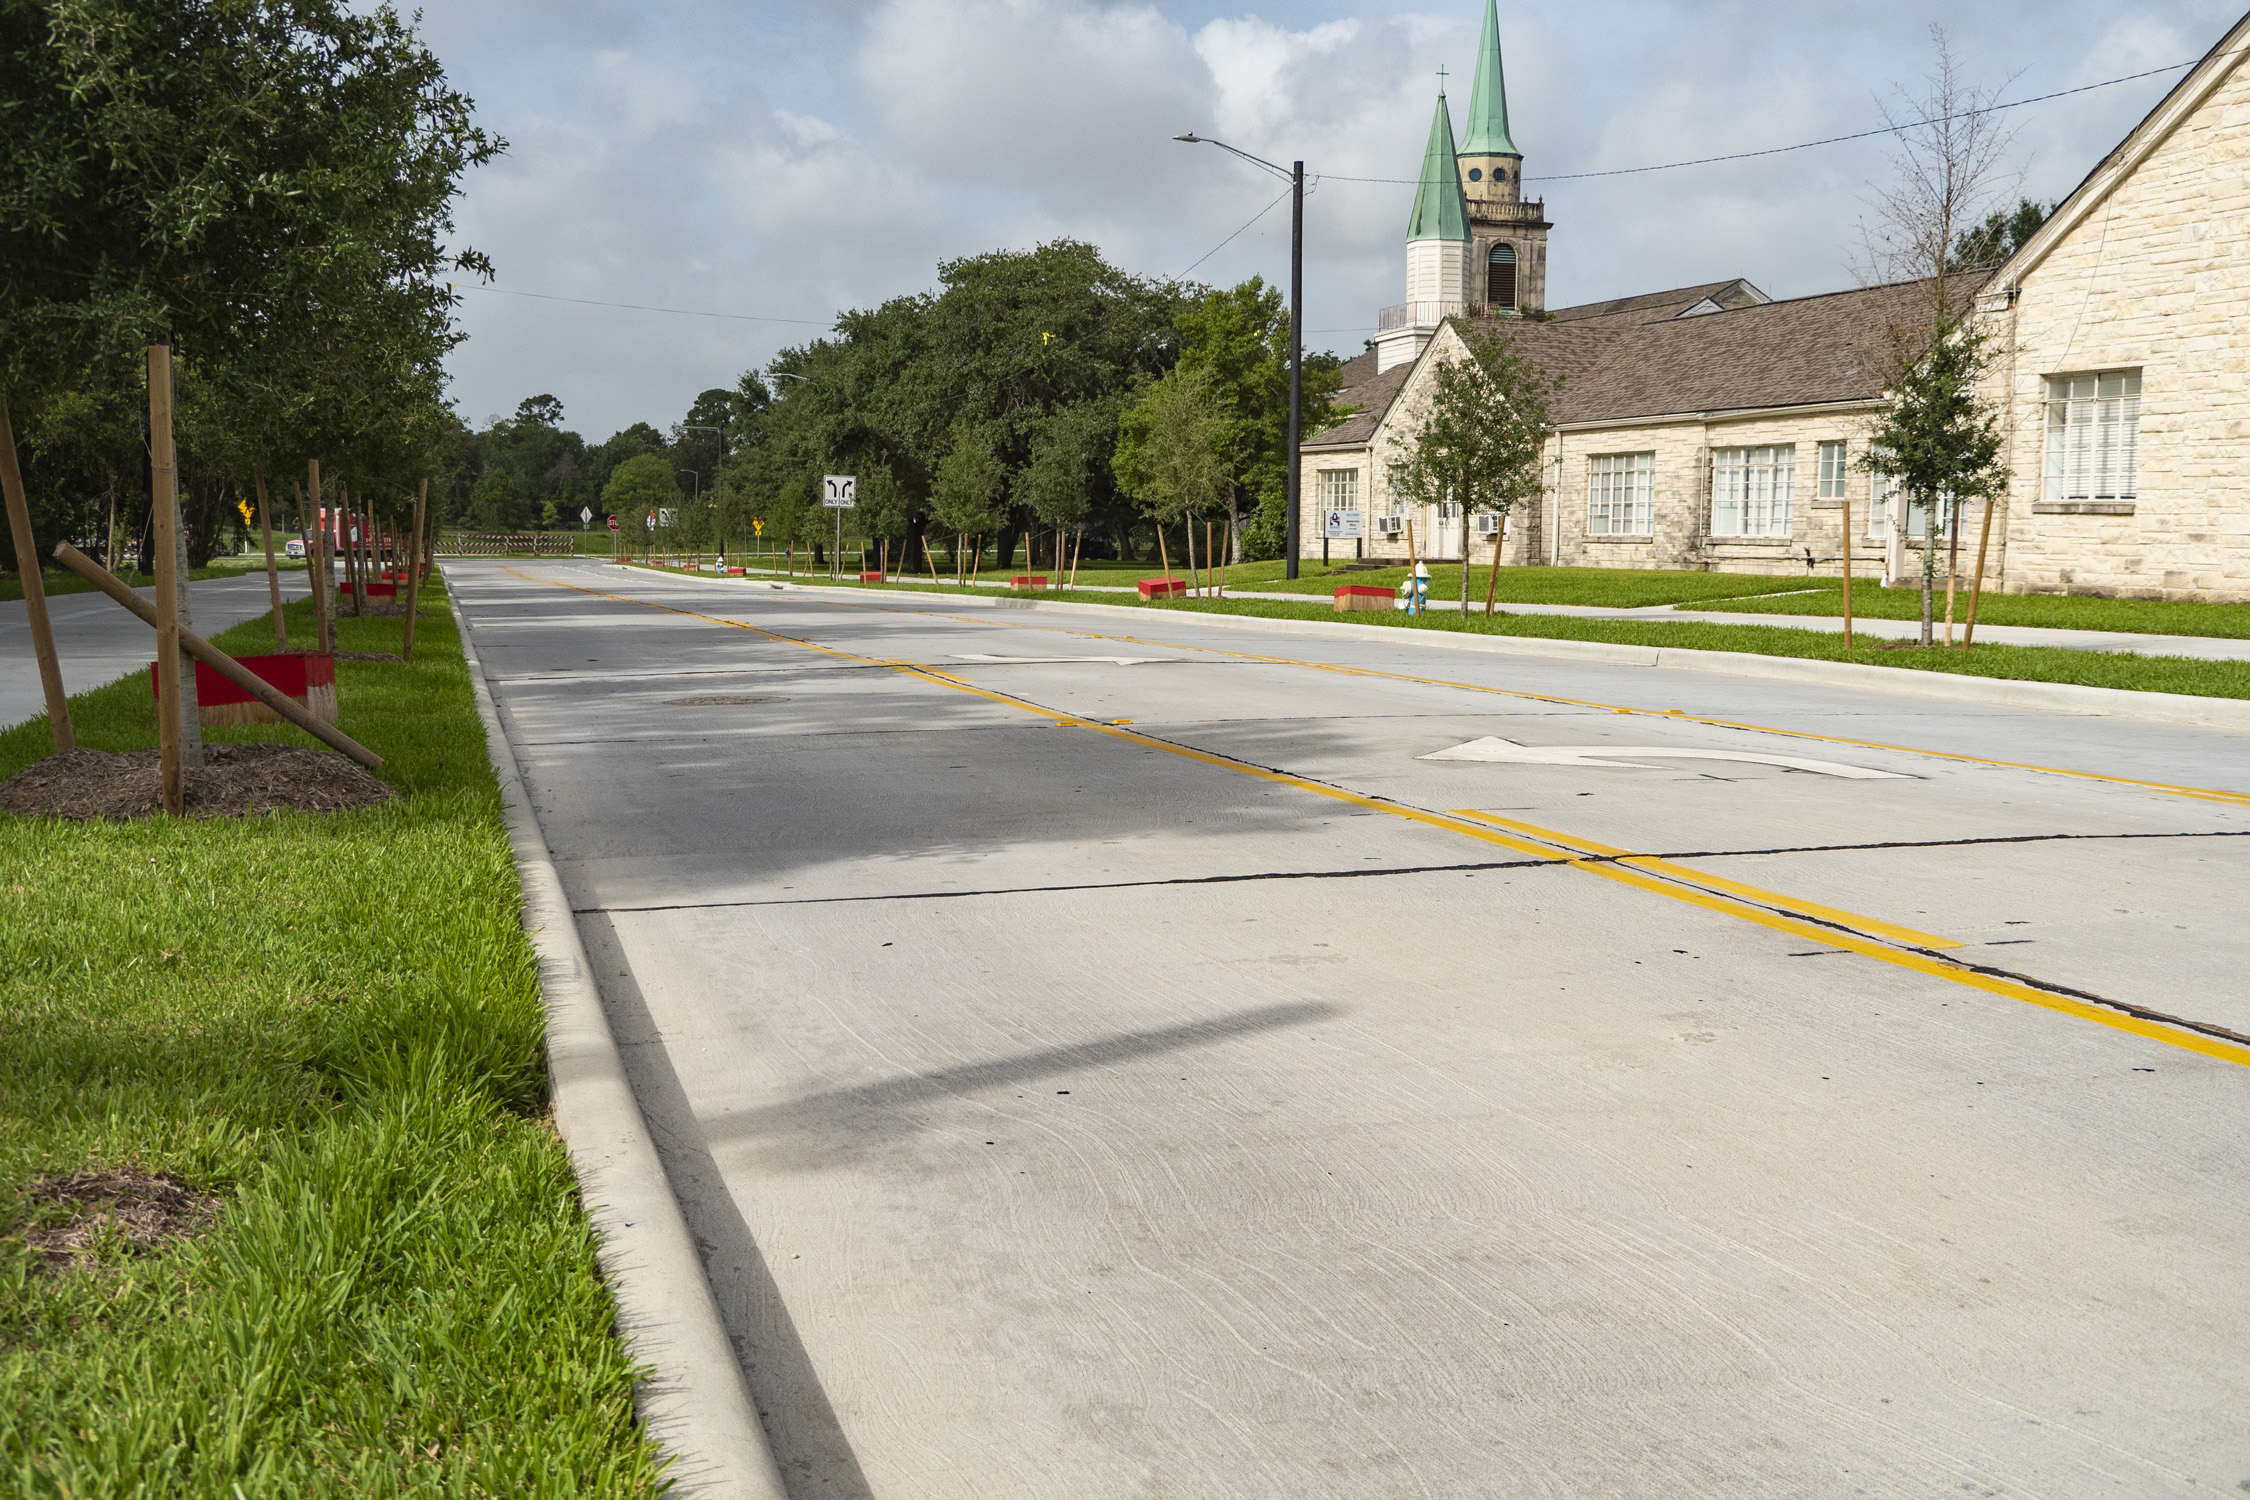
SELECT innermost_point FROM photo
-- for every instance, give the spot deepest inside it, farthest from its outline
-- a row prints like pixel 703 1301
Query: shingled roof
pixel 1624 363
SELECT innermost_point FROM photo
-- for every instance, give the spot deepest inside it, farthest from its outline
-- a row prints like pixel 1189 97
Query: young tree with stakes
pixel 1480 438
pixel 1939 443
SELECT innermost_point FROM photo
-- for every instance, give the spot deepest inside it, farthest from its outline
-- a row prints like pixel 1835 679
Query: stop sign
pixel 613 523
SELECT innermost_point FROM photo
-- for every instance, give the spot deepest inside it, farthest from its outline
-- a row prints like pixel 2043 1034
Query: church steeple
pixel 1441 210
pixel 1508 267
pixel 1488 98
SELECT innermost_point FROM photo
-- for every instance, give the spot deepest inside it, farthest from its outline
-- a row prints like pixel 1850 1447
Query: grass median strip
pixel 2050 611
pixel 327 1028
pixel 2106 669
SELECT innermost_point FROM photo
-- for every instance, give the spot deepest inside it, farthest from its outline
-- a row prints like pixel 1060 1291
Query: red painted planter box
pixel 734 572
pixel 1350 596
pixel 1163 588
pixel 871 577
pixel 1028 581
pixel 369 590
pixel 310 678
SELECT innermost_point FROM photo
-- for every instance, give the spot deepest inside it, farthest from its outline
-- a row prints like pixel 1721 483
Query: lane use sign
pixel 839 491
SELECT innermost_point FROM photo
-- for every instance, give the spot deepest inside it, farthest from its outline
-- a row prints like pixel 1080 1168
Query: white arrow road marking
pixel 1122 661
pixel 1619 757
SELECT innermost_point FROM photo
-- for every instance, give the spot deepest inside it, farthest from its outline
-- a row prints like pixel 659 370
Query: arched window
pixel 1500 278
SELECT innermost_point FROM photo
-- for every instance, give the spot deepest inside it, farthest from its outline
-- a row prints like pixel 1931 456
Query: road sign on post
pixel 839 492
pixel 585 517
pixel 613 523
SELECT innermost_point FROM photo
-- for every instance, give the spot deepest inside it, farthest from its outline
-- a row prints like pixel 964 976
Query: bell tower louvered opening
pixel 1500 277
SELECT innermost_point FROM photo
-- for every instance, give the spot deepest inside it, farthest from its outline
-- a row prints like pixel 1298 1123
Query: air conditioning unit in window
pixel 1389 525
pixel 1488 523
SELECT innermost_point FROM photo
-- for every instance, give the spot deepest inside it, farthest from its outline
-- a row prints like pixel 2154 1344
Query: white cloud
pixel 795 158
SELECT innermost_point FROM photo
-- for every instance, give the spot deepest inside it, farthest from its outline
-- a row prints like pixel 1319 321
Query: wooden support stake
pixel 1976 584
pixel 414 566
pixel 164 479
pixel 34 589
pixel 217 660
pixel 273 570
pixel 1847 573
pixel 1077 549
pixel 976 561
pixel 1163 558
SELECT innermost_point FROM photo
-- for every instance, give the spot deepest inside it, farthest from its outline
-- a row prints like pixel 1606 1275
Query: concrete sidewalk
pixel 99 642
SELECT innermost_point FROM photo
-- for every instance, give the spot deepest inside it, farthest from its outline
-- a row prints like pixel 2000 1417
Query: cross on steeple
pixel 1441 78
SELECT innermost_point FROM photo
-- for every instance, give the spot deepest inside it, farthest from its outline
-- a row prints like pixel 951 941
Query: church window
pixel 2093 436
pixel 1339 489
pixel 1621 494
pixel 1400 492
pixel 1750 490
pixel 1500 279
pixel 1476 174
pixel 1833 469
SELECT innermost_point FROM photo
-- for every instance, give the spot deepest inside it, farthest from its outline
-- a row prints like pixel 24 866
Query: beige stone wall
pixel 2154 277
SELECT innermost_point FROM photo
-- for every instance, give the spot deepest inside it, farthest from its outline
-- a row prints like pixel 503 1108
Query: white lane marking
pixel 1122 661
pixel 1620 757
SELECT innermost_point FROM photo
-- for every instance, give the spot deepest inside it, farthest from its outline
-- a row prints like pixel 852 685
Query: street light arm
pixel 1258 161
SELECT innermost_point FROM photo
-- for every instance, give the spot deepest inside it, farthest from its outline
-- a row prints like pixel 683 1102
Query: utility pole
pixel 1296 180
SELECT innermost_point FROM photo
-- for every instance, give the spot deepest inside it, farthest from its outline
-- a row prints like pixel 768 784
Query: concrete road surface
pixel 1114 1059
pixel 99 642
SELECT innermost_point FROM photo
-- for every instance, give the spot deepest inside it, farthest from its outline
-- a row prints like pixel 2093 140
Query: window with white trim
pixel 1834 468
pixel 1621 494
pixel 1399 495
pixel 1751 490
pixel 2093 435
pixel 1339 489
pixel 1882 489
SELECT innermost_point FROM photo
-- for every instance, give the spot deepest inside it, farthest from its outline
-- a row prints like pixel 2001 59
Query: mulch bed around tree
pixel 144 1211
pixel 233 781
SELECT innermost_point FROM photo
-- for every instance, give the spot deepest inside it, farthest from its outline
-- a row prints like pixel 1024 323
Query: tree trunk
pixel 273 570
pixel 1929 571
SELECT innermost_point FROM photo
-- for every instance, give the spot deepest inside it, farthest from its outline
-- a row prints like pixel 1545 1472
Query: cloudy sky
pixel 778 160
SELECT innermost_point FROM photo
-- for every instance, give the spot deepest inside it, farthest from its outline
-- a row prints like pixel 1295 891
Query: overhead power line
pixel 1833 140
pixel 1230 239
pixel 685 312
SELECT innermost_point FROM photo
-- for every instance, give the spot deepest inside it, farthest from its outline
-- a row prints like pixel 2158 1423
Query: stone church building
pixel 1715 427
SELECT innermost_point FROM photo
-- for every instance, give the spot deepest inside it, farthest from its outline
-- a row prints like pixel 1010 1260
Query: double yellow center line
pixel 1901 947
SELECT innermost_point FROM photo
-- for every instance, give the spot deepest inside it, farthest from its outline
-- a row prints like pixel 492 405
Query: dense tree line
pixel 264 188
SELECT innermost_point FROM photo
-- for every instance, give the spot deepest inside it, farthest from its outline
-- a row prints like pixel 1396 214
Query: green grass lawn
pixel 333 1025
pixel 1609 588
pixel 2054 611
pixel 2155 674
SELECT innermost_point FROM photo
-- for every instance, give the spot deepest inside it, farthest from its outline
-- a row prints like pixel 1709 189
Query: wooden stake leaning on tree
pixel 1976 584
pixel 273 570
pixel 976 561
pixel 1847 573
pixel 1077 550
pixel 217 660
pixel 414 566
pixel 931 558
pixel 34 589
pixel 1163 558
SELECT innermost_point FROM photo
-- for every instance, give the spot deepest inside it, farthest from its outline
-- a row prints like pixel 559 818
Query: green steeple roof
pixel 1488 99
pixel 1440 210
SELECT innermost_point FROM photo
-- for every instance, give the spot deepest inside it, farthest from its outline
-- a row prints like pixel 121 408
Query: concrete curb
pixel 1987 692
pixel 694 1401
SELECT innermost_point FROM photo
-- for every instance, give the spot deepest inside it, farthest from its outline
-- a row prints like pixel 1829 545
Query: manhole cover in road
pixel 714 701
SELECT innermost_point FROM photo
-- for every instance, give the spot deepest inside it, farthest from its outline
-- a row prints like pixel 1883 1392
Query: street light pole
pixel 1296 180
